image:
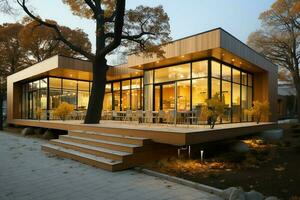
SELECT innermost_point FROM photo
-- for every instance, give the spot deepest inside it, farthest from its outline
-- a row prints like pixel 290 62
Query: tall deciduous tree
pixel 279 39
pixel 41 42
pixel 143 28
pixel 12 56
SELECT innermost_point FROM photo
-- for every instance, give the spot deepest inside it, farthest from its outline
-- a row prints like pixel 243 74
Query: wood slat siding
pixel 238 48
pixel 197 43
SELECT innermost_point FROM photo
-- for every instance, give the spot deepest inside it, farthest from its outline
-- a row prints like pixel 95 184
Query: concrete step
pixel 131 148
pixel 97 161
pixel 111 137
pixel 97 151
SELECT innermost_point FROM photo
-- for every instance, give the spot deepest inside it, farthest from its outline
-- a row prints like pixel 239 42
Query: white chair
pixel 149 116
pixel 129 115
pixel 115 116
pixel 161 116
pixel 139 116
pixel 171 117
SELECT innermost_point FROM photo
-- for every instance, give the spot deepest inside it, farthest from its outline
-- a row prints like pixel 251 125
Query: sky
pixel 187 17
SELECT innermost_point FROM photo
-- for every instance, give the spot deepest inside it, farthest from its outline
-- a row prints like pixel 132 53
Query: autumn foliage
pixel 259 110
pixel 63 111
pixel 215 110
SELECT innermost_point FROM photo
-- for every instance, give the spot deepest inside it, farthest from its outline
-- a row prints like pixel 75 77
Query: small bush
pixel 259 110
pixel 63 110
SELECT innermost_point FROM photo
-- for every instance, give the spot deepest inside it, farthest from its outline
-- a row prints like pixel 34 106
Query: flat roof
pixel 216 43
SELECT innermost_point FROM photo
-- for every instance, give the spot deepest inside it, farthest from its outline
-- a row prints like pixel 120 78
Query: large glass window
pixel 226 73
pixel 83 95
pixel 215 69
pixel 226 98
pixel 199 93
pixel 236 104
pixel 172 73
pixel 117 96
pixel 236 76
pixel 244 103
pixel 136 91
pixel 183 95
pixel 215 87
pixel 126 95
pixel 199 69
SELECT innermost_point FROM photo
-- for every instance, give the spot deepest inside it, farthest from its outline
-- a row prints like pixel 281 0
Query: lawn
pixel 270 167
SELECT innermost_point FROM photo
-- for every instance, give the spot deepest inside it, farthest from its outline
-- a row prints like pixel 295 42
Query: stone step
pixel 131 148
pixel 111 137
pixel 97 151
pixel 97 161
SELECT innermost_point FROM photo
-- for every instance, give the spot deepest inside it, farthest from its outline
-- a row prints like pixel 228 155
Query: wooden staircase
pixel 108 151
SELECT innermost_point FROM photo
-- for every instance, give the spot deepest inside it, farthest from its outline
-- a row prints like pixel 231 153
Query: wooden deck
pixel 178 135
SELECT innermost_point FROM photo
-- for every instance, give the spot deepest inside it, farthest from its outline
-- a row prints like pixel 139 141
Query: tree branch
pixel 60 37
pixel 118 28
pixel 92 6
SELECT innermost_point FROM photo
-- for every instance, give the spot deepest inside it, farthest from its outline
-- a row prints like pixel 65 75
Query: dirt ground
pixel 270 167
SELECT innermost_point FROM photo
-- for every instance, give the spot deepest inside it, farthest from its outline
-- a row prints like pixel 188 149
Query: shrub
pixel 39 113
pixel 215 109
pixel 259 110
pixel 63 110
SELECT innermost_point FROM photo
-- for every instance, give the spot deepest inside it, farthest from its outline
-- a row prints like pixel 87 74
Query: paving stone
pixel 28 173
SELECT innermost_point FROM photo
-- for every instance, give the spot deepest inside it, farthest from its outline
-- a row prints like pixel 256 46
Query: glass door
pixel 168 97
pixel 164 97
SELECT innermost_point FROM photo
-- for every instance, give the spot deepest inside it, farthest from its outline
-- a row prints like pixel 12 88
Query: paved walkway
pixel 28 173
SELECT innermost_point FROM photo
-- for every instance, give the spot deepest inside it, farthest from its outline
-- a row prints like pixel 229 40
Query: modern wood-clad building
pixel 194 69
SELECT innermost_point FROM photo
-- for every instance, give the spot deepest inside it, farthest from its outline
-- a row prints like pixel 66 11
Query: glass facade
pixel 183 87
pixel 186 87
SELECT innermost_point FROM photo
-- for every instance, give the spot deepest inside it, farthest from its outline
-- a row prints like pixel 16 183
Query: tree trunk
pixel 95 106
pixel 1 111
pixel 298 101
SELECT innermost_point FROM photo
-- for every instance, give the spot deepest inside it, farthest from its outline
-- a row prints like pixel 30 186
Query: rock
pixel 254 195
pixel 240 147
pixel 237 194
pixel 275 134
pixel 27 131
pixel 271 198
pixel 233 193
pixel 48 135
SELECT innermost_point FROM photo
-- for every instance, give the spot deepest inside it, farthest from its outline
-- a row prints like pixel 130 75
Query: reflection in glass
pixel 107 102
pixel 244 103
pixel 244 78
pixel 83 85
pixel 70 97
pixel 136 99
pixel 250 100
pixel 236 76
pixel 69 84
pixel 215 86
pixel 215 69
pixel 54 82
pixel 83 100
pixel 199 93
pixel 226 98
pixel 226 73
pixel 157 98
pixel 168 97
pixel 55 98
pixel 200 69
pixel 183 95
pixel 236 97
pixel 172 73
